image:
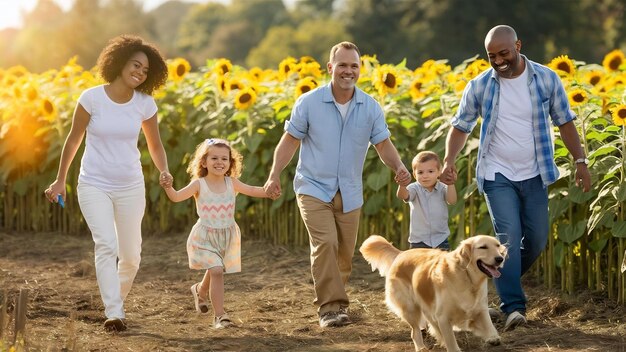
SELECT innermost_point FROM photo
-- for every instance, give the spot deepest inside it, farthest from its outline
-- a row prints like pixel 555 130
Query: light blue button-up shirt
pixel 429 214
pixel 548 98
pixel 333 149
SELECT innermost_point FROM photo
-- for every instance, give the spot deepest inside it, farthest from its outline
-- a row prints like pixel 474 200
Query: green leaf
pixel 598 136
pixel 20 186
pixel 577 195
pixel 253 142
pixel 559 254
pixel 373 204
pixel 283 115
pixel 598 245
pixel 619 229
pixel 408 124
pixel 378 180
pixel 621 192
pixel 602 216
pixel 557 207
pixel 239 116
pixel 154 193
pixel 569 233
pixel 604 150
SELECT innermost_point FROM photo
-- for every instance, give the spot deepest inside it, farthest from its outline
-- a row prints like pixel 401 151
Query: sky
pixel 11 10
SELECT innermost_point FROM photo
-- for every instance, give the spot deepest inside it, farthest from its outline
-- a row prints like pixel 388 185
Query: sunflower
pixel 30 92
pixel 286 68
pixel 178 68
pixel 460 85
pixel 222 67
pixel 593 77
pixel 416 89
pixel 47 109
pixel 563 65
pixel 234 84
pixel 256 74
pixel 619 115
pixel 311 68
pixel 385 79
pixel 306 59
pixel 475 68
pixel 367 65
pixel 577 97
pixel 245 98
pixel 614 82
pixel 17 71
pixel 432 68
pixel 304 85
pixel 613 60
pixel 20 138
pixel 220 82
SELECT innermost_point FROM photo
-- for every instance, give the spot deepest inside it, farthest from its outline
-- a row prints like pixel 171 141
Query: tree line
pixel 263 32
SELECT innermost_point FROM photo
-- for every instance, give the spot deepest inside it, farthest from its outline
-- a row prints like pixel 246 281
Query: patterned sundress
pixel 215 240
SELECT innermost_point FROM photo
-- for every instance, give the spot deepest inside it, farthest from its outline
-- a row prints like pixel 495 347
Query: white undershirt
pixel 512 148
pixel 343 108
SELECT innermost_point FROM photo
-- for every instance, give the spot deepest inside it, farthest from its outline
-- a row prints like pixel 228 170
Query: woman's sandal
pixel 201 304
pixel 223 321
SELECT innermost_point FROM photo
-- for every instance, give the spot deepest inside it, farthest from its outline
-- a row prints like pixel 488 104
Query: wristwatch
pixel 582 161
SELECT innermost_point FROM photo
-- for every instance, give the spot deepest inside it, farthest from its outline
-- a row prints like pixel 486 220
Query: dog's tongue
pixel 493 271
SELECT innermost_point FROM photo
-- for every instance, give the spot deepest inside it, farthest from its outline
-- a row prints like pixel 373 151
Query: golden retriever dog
pixel 447 290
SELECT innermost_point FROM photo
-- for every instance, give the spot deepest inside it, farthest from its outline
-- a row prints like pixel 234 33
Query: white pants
pixel 114 219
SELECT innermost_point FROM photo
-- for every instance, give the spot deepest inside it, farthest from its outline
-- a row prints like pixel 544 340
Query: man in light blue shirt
pixel 333 125
pixel 517 99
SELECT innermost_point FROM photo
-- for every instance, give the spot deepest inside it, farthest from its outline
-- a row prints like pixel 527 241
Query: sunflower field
pixel 249 108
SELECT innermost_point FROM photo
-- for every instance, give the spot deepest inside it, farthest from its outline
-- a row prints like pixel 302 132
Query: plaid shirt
pixel 549 100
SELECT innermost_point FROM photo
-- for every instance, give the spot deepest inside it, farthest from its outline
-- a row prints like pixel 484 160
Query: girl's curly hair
pixel 117 53
pixel 196 168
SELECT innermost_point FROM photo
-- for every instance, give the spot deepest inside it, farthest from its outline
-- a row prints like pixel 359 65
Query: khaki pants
pixel 332 237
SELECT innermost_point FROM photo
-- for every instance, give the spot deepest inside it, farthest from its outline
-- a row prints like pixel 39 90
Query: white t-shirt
pixel 111 160
pixel 343 108
pixel 512 148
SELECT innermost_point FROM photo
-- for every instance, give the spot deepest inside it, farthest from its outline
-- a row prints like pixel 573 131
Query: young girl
pixel 428 199
pixel 214 243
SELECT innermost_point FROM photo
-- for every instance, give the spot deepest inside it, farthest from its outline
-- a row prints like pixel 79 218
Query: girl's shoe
pixel 201 304
pixel 223 321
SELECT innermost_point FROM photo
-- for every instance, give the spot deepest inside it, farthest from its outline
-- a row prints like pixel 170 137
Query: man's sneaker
pixel 115 324
pixel 513 320
pixel 331 319
pixel 343 316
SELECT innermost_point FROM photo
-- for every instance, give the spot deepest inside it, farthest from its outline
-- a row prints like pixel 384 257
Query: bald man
pixel 517 100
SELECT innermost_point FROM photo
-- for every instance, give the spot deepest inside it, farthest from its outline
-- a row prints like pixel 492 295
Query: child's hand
pixel 166 180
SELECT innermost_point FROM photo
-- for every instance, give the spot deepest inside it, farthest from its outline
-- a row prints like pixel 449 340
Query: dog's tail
pixel 380 253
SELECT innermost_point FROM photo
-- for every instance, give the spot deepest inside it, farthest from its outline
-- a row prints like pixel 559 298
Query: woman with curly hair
pixel 111 190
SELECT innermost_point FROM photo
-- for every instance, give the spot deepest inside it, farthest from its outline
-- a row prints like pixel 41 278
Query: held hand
pixel 448 174
pixel 583 177
pixel 272 188
pixel 403 176
pixel 166 180
pixel 54 190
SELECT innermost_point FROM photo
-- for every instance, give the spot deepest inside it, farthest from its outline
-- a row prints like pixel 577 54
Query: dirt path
pixel 270 302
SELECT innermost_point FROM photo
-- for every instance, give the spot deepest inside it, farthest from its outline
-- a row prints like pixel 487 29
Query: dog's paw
pixel 494 341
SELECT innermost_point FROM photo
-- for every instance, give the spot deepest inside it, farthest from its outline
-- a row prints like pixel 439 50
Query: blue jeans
pixel 519 213
pixel 445 245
